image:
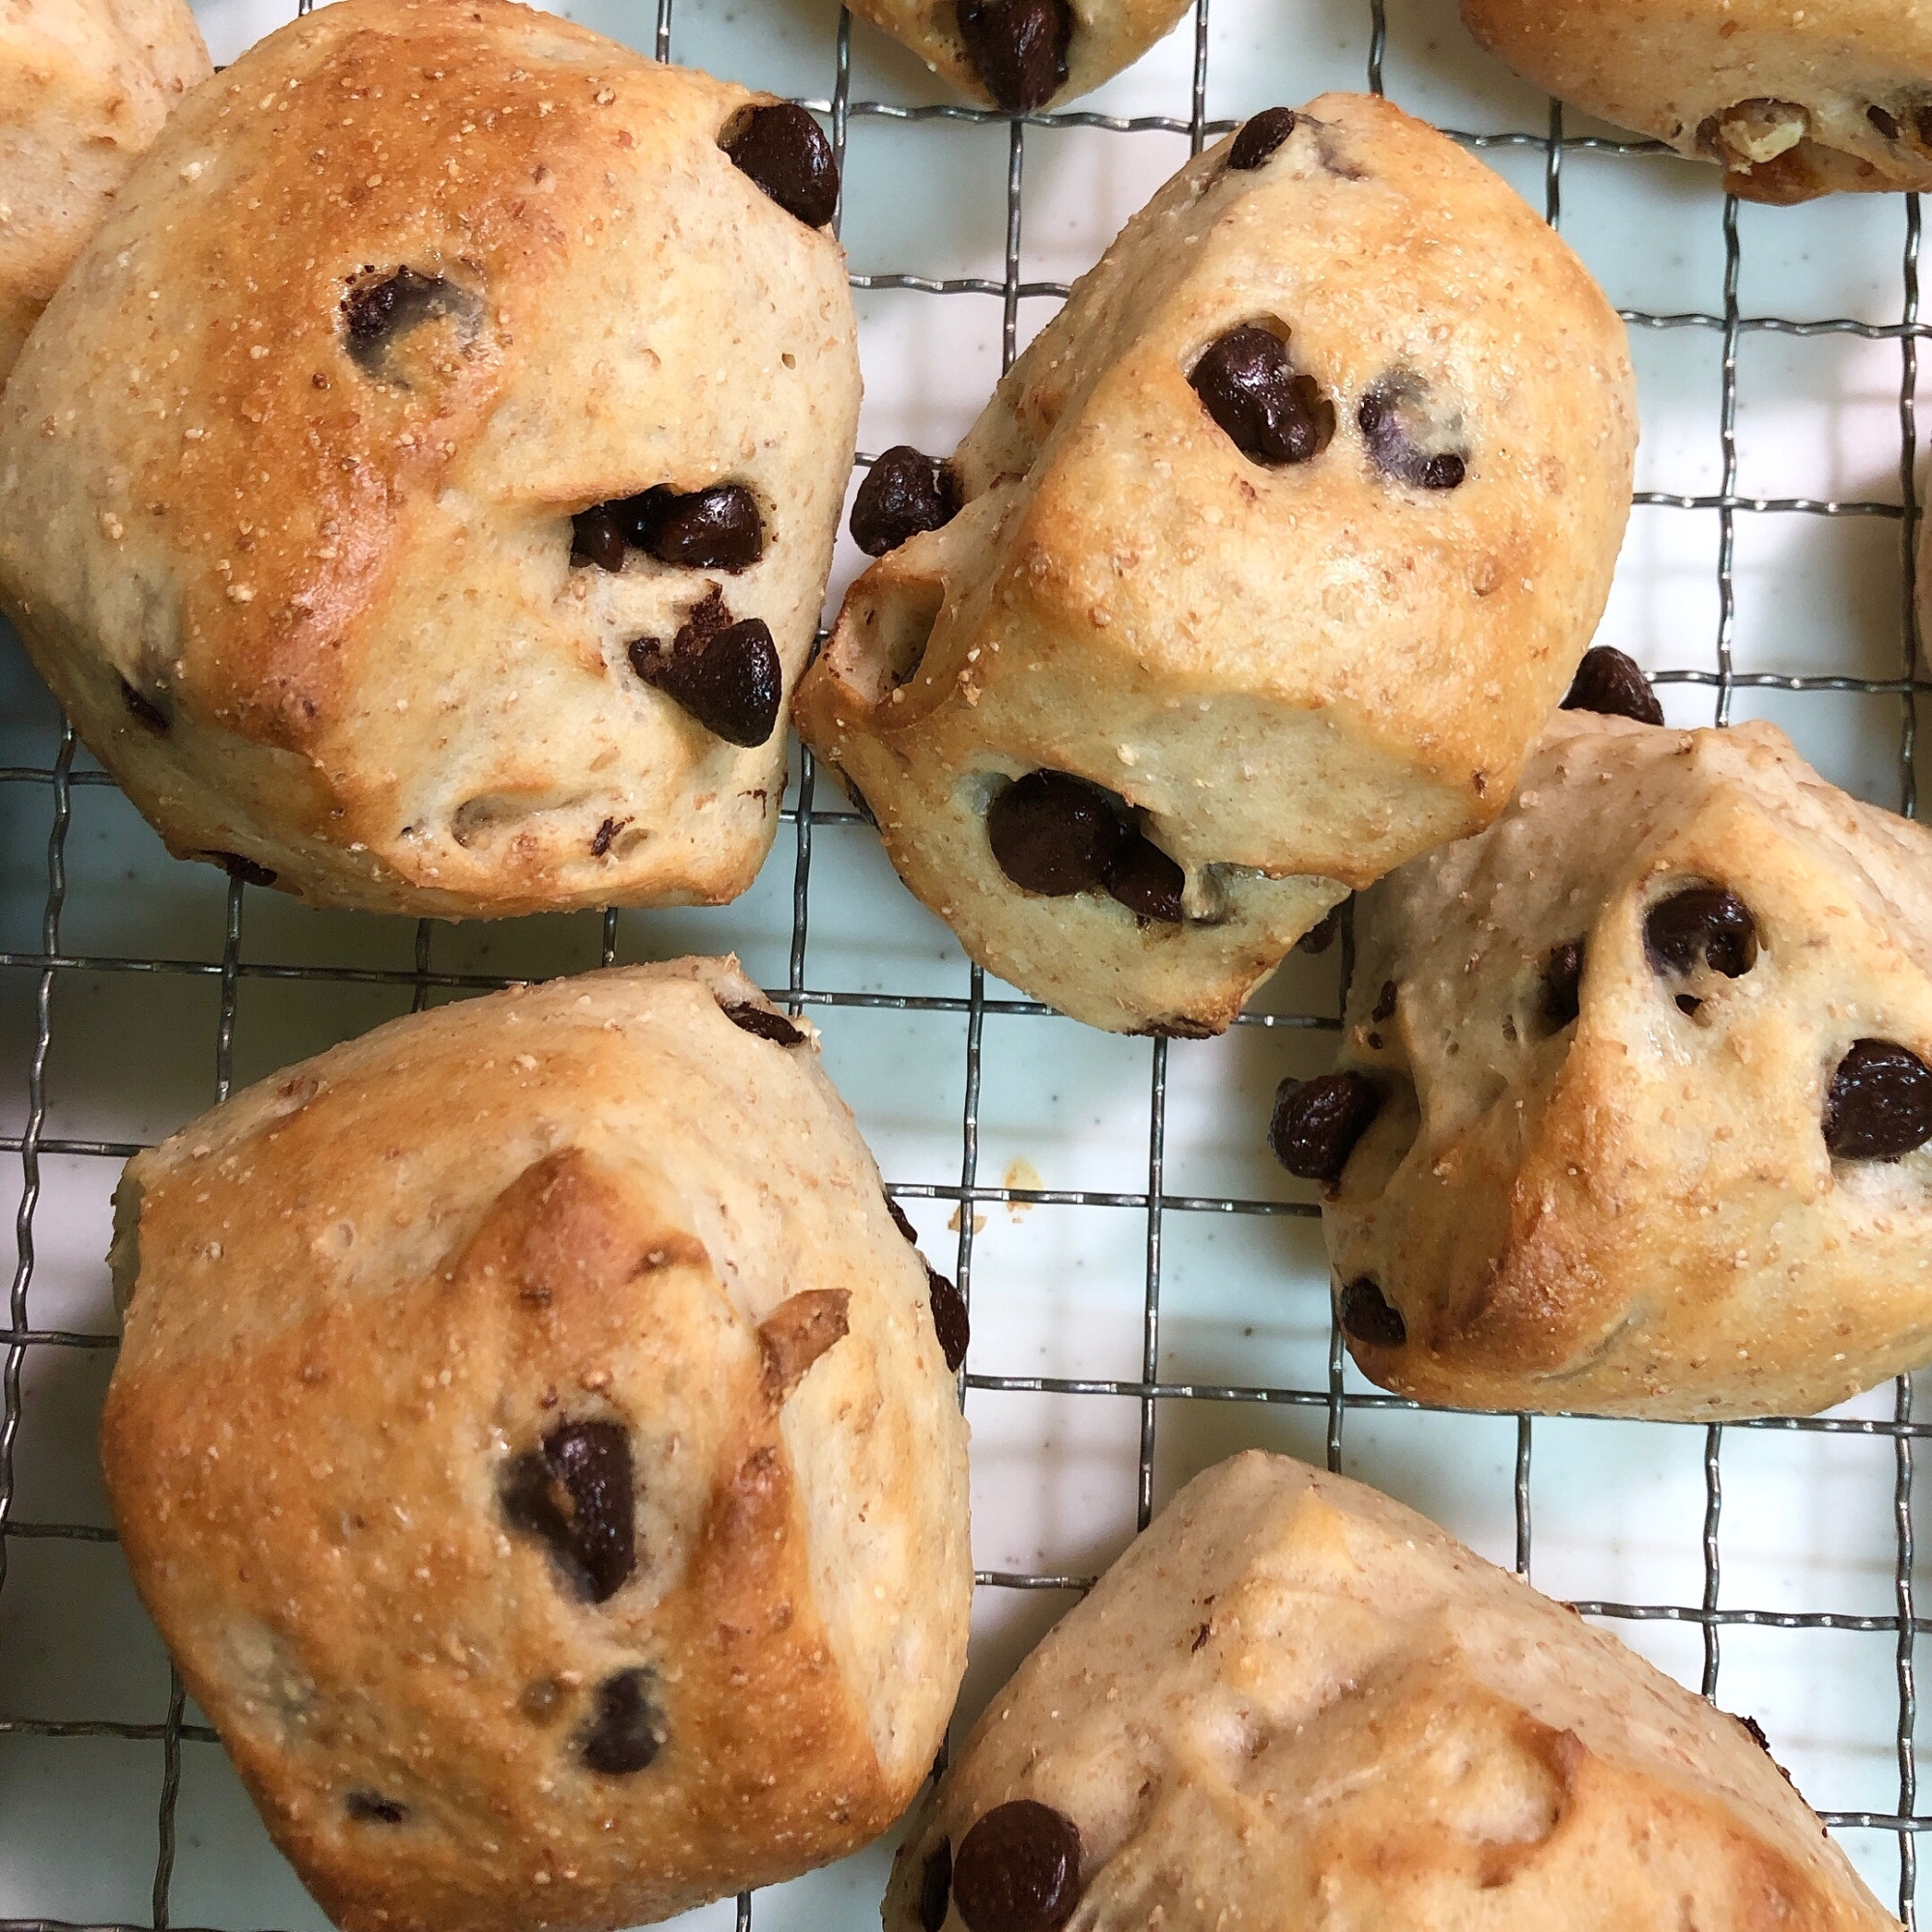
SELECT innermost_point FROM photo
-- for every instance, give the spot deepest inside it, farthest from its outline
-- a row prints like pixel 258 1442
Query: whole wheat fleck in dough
pixel 85 86
pixel 423 488
pixel 1791 101
pixel 532 1438
pixel 1296 1704
pixel 1647 1094
pixel 1264 565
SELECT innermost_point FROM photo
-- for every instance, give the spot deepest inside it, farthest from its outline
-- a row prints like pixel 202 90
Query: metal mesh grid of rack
pixel 48 788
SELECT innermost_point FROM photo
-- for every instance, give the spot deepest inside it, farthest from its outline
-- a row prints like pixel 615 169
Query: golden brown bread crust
pixel 1301 675
pixel 1295 1703
pixel 362 1291
pixel 338 583
pixel 1637 1211
pixel 85 86
pixel 1791 101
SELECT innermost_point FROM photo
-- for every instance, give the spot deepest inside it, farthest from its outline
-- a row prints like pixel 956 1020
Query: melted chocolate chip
pixel 717 528
pixel 244 869
pixel 1018 1870
pixel 1145 880
pixel 1367 1315
pixel 375 313
pixel 783 151
pixel 628 1729
pixel 935 1887
pixel 575 1494
pixel 726 676
pixel 144 709
pixel 1392 423
pixel 1271 415
pixel 773 1027
pixel 1879 1105
pixel 1320 936
pixel 1260 136
pixel 1318 1122
pixel 1701 925
pixel 596 536
pixel 948 1318
pixel 371 1807
pixel 1384 1006
pixel 1611 684
pixel 1054 833
pixel 1886 124
pixel 900 1221
pixel 1562 978
pixel 904 492
pixel 1018 47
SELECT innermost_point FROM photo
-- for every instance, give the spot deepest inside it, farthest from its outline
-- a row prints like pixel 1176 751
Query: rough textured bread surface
pixel 1792 101
pixel 1638 1212
pixel 84 88
pixel 1296 1704
pixel 320 611
pixel 1298 676
pixel 1105 37
pixel 363 1289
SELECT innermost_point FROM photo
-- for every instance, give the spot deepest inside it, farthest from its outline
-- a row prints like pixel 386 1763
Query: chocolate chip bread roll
pixel 1295 1703
pixel 1635 1098
pixel 1025 55
pixel 1257 576
pixel 541 1453
pixel 85 86
pixel 423 491
pixel 1791 101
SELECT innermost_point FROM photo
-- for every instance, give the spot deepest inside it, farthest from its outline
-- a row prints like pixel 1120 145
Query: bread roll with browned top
pixel 422 490
pixel 535 1443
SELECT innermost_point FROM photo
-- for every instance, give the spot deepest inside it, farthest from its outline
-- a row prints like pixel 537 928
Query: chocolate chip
pixel 600 839
pixel 935 1887
pixel 1886 124
pixel 1394 425
pixel 1317 1123
pixel 1054 833
pixel 1611 683
pixel 726 676
pixel 1368 1317
pixel 783 151
pixel 1562 977
pixel 1272 415
pixel 1018 47
pixel 1707 925
pixel 1384 1006
pixel 764 1025
pixel 628 1730
pixel 1689 1003
pixel 948 1318
pixel 900 1221
pixel 1145 880
pixel 904 492
pixel 717 528
pixel 1879 1105
pixel 144 709
pixel 238 868
pixel 1320 936
pixel 1260 136
pixel 597 537
pixel 370 1808
pixel 375 313
pixel 576 1493
pixel 1018 1870
pixel 1922 121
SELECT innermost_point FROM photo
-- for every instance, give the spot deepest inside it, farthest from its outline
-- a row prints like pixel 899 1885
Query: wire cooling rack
pixel 100 1843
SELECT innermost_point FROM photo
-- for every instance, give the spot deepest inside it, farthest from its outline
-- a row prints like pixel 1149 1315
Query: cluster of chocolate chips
pixel 1018 1870
pixel 1058 834
pixel 717 528
pixel 948 1304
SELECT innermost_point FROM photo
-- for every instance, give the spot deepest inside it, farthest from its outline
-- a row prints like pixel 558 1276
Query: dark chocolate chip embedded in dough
pixel 1612 685
pixel 1018 1870
pixel 1562 980
pixel 144 709
pixel 1320 936
pixel 1250 389
pixel 1879 1104
pixel 1697 925
pixel 935 1887
pixel 1885 123
pixel 371 1807
pixel 1385 1007
pixel 1018 49
pixel 1054 833
pixel 763 1025
pixel 1318 1122
pixel 244 869
pixel 375 313
pixel 1145 880
pixel 1921 122
pixel 715 528
pixel 900 1221
pixel 726 676
pixel 1367 1314
pixel 1260 136
pixel 948 1318
pixel 1391 420
pixel 627 1730
pixel 597 536
pixel 575 1494
pixel 783 151
pixel 904 492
